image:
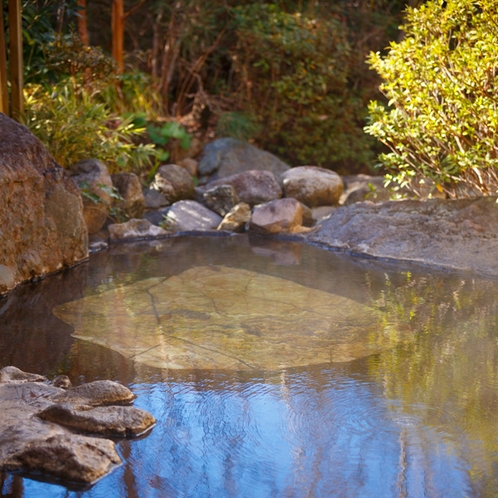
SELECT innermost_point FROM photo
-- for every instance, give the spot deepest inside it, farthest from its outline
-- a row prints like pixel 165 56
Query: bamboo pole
pixel 4 97
pixel 118 18
pixel 82 23
pixel 16 62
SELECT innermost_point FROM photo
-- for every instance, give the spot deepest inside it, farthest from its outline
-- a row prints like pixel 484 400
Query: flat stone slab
pixel 39 423
pixel 215 317
pixel 458 235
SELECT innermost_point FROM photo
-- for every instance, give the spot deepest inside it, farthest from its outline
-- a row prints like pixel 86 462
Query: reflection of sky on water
pixel 338 437
pixel 416 421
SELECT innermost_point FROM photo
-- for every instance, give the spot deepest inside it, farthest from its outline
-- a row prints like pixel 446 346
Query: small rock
pixel 62 381
pixel 237 218
pixel 157 216
pixel 99 392
pixel 174 182
pixel 252 187
pixel 90 176
pixel 129 187
pixel 313 186
pixel 308 220
pixel 105 421
pixel 15 375
pixel 190 165
pixel 281 215
pixel 134 229
pixel 372 194
pixel 358 188
pixel 98 241
pixel 76 459
pixel 191 215
pixel 154 199
pixel 220 199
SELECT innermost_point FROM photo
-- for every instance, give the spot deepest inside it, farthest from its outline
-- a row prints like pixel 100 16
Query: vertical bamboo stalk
pixel 4 97
pixel 118 18
pixel 16 62
pixel 82 23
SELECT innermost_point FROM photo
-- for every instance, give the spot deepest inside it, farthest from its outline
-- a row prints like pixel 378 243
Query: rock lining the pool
pixel 40 423
pixel 214 317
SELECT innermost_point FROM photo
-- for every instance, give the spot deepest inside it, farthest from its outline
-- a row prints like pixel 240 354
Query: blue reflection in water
pixel 288 436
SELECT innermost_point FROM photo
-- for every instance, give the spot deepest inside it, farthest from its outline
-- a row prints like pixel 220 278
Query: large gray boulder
pixel 40 423
pixel 252 187
pixel 458 234
pixel 94 181
pixel 313 186
pixel 42 229
pixel 228 156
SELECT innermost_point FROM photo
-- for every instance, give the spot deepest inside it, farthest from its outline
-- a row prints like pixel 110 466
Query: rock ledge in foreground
pixel 39 423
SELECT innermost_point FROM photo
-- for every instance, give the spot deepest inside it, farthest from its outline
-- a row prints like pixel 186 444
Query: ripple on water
pixel 288 438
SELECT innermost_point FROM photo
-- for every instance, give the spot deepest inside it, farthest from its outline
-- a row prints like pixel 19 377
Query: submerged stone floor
pixel 216 317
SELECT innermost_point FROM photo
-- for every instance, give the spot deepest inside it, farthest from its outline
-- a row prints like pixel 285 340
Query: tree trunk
pixel 156 28
pixel 16 62
pixel 4 97
pixel 168 61
pixel 118 18
pixel 82 25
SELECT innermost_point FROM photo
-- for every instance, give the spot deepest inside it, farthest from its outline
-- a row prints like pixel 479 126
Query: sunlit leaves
pixel 75 125
pixel 442 84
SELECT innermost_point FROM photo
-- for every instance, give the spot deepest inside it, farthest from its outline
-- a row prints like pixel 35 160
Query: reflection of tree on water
pixel 418 419
pixel 448 377
pixel 430 407
pixel 316 433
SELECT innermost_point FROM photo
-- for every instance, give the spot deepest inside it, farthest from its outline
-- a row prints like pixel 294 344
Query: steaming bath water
pixel 273 369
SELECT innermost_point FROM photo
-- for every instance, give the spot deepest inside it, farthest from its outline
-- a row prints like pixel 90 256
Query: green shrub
pixel 239 125
pixel 74 125
pixel 293 73
pixel 132 93
pixel 442 84
pixel 66 55
pixel 161 136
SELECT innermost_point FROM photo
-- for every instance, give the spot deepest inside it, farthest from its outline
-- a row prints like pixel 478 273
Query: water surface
pixel 409 407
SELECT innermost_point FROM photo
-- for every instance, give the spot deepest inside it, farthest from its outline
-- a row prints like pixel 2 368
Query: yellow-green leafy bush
pixel 442 84
pixel 75 125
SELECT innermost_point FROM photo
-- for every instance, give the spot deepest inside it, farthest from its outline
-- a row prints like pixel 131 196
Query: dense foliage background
pixel 290 75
